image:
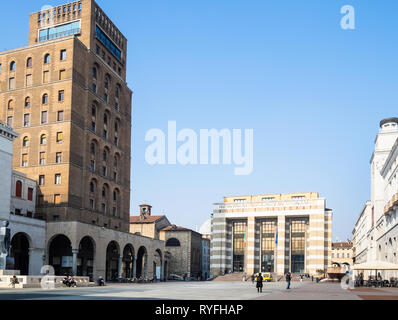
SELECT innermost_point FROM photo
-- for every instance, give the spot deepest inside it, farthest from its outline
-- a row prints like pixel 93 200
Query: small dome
pixel 389 120
pixel 206 228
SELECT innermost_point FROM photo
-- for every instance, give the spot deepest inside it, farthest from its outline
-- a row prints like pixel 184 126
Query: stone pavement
pixel 203 291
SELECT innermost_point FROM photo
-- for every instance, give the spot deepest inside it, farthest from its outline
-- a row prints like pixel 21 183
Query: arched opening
pixel 173 242
pixel 128 261
pixel 29 63
pixel 85 258
pixel 12 66
pixel 47 58
pixel 20 253
pixel 141 262
pixel 60 255
pixel 112 261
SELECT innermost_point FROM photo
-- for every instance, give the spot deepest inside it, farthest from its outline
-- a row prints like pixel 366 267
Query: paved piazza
pixel 203 291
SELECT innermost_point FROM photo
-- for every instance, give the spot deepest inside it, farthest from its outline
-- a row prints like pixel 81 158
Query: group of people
pixel 69 281
pixel 259 281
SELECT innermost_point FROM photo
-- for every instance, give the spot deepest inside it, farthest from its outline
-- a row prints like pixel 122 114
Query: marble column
pixel 120 267
pixel 134 266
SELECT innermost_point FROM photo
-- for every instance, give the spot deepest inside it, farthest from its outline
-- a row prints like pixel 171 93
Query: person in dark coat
pixel 259 284
pixel 288 279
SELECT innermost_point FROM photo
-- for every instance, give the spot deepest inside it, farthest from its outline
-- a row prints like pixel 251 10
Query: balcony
pixel 391 205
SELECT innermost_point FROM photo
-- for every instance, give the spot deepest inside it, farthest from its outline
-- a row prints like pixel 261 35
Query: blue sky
pixel 312 92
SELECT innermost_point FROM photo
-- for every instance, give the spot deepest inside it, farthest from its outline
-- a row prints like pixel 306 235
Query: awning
pixel 375 265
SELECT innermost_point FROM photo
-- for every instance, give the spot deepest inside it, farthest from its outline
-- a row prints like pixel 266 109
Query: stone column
pixel 36 261
pixel 250 246
pixel 120 267
pixel 74 261
pixel 280 247
pixel 134 266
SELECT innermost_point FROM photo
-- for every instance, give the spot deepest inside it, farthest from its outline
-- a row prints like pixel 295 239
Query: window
pixel 25 142
pixel 59 31
pixel 30 194
pixel 47 59
pixel 103 210
pixel 116 141
pixel 61 95
pixel 106 97
pixel 58 158
pixel 60 137
pixel 27 102
pixel 18 189
pixel 92 187
pixel 42 158
pixel 26 120
pixel 57 199
pixel 41 180
pixel 92 165
pixel 94 88
pixel 108 43
pixel 60 116
pixel 104 155
pixel 92 149
pixel 92 206
pixel 63 55
pixel 43 140
pixel 104 171
pixel 173 242
pixel 12 66
pixel 58 179
pixel 62 74
pixel 9 121
pixel 95 73
pixel 29 63
pixel 11 105
pixel 28 80
pixel 43 117
pixel 24 160
pixel 97 49
pixel 11 83
pixel 0 68
pixel 56 218
pixel 18 212
pixel 45 99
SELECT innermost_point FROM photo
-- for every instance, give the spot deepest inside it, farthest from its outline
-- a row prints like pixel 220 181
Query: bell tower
pixel 145 211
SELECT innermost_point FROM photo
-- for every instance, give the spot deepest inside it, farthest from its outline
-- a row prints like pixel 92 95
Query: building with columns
pixel 379 222
pixel 271 233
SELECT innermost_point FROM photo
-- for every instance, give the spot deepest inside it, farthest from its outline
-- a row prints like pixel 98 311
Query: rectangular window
pixel 92 165
pixel 60 137
pixel 63 55
pixel 46 76
pixel 9 121
pixel 59 31
pixel 30 194
pixel 106 97
pixel 24 160
pixel 42 158
pixel 59 157
pixel 62 75
pixel 94 88
pixel 91 204
pixel 104 171
pixel 26 120
pixel 60 116
pixel 61 95
pixel 57 199
pixel 58 179
pixel 11 84
pixel 41 180
pixel 44 117
pixel 28 80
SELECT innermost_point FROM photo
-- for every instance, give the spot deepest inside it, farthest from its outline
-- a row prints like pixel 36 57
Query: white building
pixel 376 231
pixel 18 199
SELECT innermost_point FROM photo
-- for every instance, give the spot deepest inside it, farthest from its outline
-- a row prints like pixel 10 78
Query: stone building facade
pixel 380 222
pixel 27 233
pixel 185 248
pixel 146 224
pixel 271 233
pixel 342 254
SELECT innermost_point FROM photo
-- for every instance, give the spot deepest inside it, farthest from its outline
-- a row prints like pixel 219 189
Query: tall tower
pixel 384 142
pixel 66 96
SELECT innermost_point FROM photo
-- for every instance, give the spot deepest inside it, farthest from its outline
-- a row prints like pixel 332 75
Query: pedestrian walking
pixel 288 279
pixel 259 284
pixel 252 277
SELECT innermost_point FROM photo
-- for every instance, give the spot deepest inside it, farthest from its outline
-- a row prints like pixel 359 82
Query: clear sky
pixel 313 94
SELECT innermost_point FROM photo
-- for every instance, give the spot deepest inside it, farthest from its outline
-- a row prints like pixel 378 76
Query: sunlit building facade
pixel 271 233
